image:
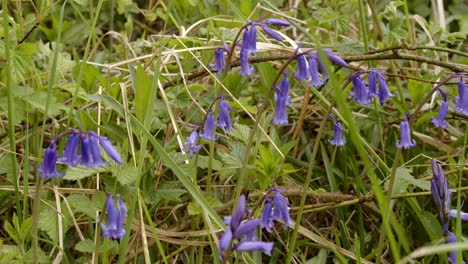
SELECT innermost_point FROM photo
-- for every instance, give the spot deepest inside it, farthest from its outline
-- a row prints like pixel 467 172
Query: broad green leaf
pixel 83 204
pixel 202 162
pixel 126 174
pixel 86 246
pixel 403 179
pixel 142 87
pixel 78 173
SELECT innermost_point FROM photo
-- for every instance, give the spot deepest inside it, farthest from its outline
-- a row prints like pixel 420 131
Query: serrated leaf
pixel 202 162
pixel 85 246
pixel 169 191
pixel 194 209
pixel 142 87
pixel 83 204
pixel 78 173
pixel 240 132
pixel 38 99
pixel 403 179
pixel 48 222
pixel 126 174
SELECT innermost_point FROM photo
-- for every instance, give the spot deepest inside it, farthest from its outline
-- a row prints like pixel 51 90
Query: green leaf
pixel 78 173
pixel 169 191
pixel 202 162
pixel 85 246
pixel 142 87
pixel 126 174
pixel 82 204
pixel 403 179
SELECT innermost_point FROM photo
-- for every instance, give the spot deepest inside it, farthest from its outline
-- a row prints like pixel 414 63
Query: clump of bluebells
pixel 241 234
pixel 115 217
pixel 82 148
pixel 441 194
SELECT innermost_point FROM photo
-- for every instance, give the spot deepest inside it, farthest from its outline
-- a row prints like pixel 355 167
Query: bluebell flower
pixel 49 163
pixel 244 231
pixel 115 218
pixel 250 246
pixel 246 68
pixel 282 100
pixel 302 69
pixel 86 157
pixel 439 121
pixel 461 102
pixel 220 63
pixel 109 149
pixel 323 69
pixel 384 92
pixel 277 22
pixel 451 239
pixel 191 143
pixel 249 40
pixel 338 139
pixel 272 33
pixel 360 94
pixel 281 208
pixel 440 192
pixel 267 217
pixel 335 58
pixel 70 153
pixel 372 83
pixel 224 116
pixel 209 128
pixel 95 150
pixel 313 71
pixel 405 136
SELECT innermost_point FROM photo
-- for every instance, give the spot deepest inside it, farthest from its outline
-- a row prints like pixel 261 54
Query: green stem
pixel 11 107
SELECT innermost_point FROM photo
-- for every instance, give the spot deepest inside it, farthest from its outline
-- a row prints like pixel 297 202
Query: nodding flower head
pixel 461 102
pixel 249 39
pixel 360 94
pixel 70 153
pixel 49 163
pixel 372 82
pixel 405 136
pixel 271 32
pixel 244 231
pixel 209 128
pixel 246 68
pixel 439 121
pixel 276 22
pixel 282 100
pixel 302 69
pixel 384 92
pixel 333 57
pixel 440 191
pixel 220 63
pixel 338 139
pixel 115 218
pixel 314 72
pixel 224 116
pixel 191 143
pixel 281 208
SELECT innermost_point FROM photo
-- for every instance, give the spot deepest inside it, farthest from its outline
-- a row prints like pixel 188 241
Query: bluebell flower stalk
pixel 441 194
pixel 115 218
pixel 86 143
pixel 405 136
pixel 276 209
